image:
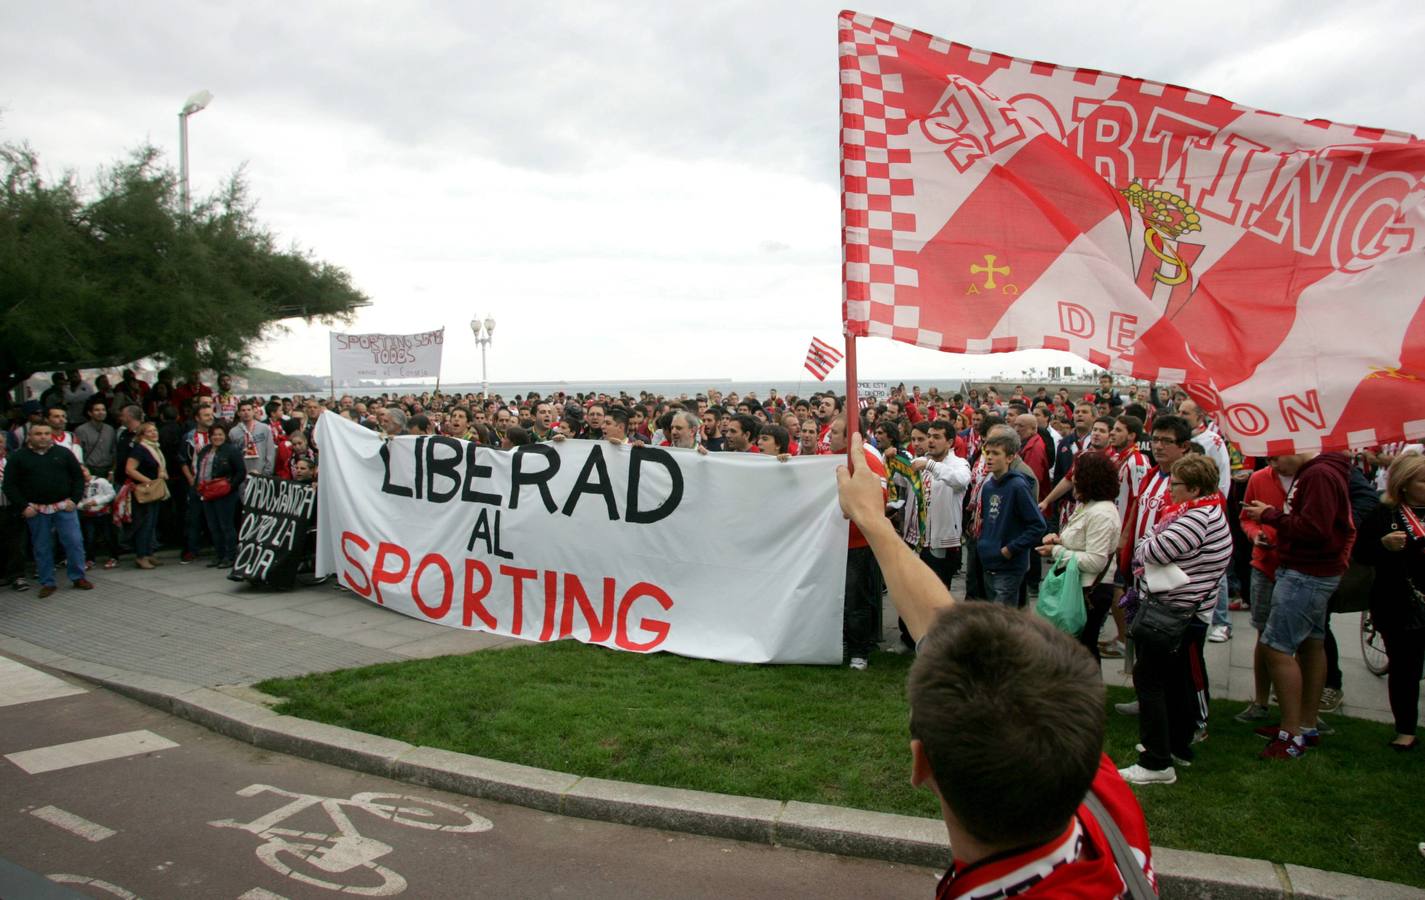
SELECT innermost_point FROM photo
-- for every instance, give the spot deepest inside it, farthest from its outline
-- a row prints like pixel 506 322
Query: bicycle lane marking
pixel 21 684
pixel 77 825
pixel 82 753
pixel 345 853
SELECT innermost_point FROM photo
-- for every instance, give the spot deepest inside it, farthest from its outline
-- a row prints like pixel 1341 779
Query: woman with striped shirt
pixel 1194 535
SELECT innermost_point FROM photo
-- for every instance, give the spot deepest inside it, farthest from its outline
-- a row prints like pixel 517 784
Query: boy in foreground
pixel 1007 728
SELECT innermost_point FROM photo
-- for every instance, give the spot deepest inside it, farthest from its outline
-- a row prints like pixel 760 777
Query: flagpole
pixel 853 399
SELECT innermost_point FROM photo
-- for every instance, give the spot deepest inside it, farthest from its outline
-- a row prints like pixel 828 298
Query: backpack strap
pixel 1139 887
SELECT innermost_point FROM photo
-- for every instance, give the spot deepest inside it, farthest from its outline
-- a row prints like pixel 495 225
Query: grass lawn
pixel 836 736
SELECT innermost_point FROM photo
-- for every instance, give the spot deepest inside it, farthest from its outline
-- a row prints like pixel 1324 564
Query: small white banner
pixel 380 357
pixel 874 390
pixel 727 556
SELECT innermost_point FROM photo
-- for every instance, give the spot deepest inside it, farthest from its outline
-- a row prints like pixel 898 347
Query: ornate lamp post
pixel 484 333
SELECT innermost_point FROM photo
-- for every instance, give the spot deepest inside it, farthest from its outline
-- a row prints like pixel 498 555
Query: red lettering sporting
pixel 381 575
pixel 447 586
pixel 474 602
pixel 600 627
pixel 518 576
pixel 656 627
pixel 364 588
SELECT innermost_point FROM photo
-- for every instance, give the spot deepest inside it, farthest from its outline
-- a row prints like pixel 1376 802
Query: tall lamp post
pixel 484 334
pixel 195 104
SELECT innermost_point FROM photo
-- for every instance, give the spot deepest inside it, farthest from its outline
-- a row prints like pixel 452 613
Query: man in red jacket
pixel 1314 535
pixel 1269 486
pixel 1013 790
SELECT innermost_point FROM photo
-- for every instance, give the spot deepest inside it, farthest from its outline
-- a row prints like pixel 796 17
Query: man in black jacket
pixel 47 484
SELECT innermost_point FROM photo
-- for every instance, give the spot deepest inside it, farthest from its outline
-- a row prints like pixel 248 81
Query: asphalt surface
pixel 189 813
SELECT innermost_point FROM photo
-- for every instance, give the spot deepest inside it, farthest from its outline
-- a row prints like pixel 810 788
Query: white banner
pixel 874 390
pixel 728 556
pixel 379 357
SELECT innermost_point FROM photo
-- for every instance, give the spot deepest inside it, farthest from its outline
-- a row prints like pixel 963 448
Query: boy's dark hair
pixel 943 427
pixel 1177 426
pixel 778 434
pixel 618 413
pixel 1010 711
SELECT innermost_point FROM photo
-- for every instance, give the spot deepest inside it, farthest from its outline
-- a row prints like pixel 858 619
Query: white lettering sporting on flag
pixel 1271 264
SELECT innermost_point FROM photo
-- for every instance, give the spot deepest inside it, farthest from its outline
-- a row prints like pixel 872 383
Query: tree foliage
pixel 117 273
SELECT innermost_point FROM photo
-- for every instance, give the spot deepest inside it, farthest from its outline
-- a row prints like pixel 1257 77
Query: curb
pixel 806 826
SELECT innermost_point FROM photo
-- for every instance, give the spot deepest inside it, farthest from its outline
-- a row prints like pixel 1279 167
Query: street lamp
pixel 195 104
pixel 484 333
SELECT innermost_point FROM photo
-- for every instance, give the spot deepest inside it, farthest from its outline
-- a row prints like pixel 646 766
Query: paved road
pixel 114 798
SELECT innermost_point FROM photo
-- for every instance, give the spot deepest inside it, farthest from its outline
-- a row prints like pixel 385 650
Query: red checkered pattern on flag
pixel 1273 265
pixel 822 358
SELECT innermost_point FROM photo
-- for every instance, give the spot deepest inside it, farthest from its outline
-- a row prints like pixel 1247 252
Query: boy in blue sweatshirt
pixel 1010 521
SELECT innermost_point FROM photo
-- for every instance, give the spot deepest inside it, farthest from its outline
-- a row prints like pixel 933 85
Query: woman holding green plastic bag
pixel 1084 548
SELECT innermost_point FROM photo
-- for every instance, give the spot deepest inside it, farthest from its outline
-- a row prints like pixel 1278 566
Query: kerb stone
pixel 490 779
pixel 855 832
pixel 675 809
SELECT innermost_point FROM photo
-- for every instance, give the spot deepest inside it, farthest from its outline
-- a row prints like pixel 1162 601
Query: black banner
pixel 277 517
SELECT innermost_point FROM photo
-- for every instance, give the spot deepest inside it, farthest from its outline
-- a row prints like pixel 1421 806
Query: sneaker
pixel 1126 709
pixel 1177 760
pixel 1220 634
pixel 858 663
pixel 1254 712
pixel 1136 774
pixel 1111 650
pixel 1268 731
pixel 1239 606
pixel 84 584
pixel 19 584
pixel 1331 699
pixel 1280 748
pixel 1311 738
pixel 187 557
pixel 1323 727
pixel 88 564
pixel 46 591
pixel 1200 735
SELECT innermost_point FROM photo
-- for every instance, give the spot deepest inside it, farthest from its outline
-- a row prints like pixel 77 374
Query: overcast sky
pixel 635 191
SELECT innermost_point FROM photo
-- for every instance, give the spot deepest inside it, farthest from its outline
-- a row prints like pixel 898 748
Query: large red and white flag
pixel 822 358
pixel 1275 266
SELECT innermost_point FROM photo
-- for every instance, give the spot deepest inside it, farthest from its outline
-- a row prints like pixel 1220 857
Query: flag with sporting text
pixel 1274 266
pixel 821 358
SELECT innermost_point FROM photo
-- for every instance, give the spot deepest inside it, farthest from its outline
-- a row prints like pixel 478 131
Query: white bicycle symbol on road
pixel 347 850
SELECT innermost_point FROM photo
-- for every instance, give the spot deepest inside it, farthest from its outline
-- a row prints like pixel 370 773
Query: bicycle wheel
pixel 378 881
pixel 417 812
pixel 1373 647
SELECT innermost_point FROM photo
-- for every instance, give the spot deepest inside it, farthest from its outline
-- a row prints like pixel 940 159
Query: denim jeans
pixel 145 529
pixel 221 515
pixel 43 528
pixel 1221 614
pixel 1299 609
pixel 1003 587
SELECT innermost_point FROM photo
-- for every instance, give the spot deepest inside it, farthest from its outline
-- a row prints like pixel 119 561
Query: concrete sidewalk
pixel 191 624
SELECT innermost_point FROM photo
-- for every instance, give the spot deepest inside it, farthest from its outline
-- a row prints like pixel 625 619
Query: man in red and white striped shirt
pixel 1132 464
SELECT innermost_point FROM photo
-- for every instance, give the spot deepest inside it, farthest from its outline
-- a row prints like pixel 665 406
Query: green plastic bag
pixel 1061 596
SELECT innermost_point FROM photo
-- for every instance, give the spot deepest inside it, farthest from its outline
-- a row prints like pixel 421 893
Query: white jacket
pixel 944 485
pixel 1091 535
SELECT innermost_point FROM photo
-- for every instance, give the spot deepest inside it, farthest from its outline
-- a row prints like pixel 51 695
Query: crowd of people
pixel 1166 523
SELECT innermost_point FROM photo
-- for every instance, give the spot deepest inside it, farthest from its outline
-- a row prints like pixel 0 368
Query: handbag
pixel 1160 626
pixel 151 491
pixel 214 488
pixel 1353 594
pixel 1061 596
